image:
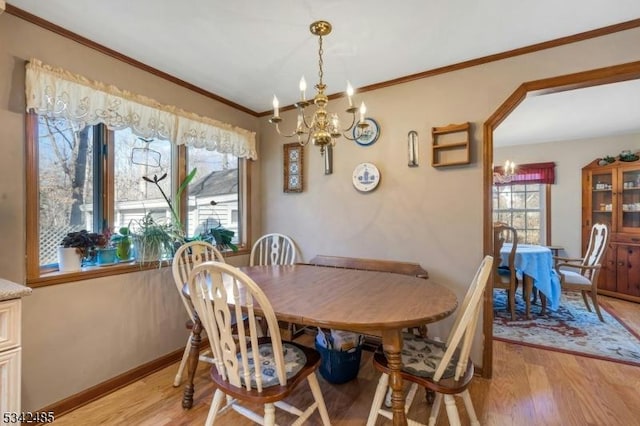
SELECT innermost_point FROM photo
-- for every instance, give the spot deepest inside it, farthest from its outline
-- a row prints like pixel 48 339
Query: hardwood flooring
pixel 530 387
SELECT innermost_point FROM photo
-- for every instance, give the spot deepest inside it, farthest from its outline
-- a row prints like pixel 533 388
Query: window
pixel 82 173
pixel 524 207
pixel 91 179
pixel 524 201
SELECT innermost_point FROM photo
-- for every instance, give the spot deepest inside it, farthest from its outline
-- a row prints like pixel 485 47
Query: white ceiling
pixel 247 51
pixel 592 112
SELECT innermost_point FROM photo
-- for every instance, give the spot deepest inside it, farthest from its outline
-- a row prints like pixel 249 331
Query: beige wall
pixel 566 195
pixel 79 334
pixel 427 215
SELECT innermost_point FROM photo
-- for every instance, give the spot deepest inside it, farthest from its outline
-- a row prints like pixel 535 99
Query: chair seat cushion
pixel 572 277
pixel 294 361
pixel 421 356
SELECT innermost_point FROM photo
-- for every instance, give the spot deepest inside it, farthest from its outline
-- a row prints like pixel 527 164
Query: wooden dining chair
pixel 186 257
pixel 504 277
pixel 581 274
pixel 273 249
pixel 444 367
pixel 276 249
pixel 249 368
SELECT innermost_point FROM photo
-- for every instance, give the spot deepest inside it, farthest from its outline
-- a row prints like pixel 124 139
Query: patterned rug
pixel 570 329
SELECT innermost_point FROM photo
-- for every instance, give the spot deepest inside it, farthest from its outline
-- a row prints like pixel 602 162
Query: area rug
pixel 572 329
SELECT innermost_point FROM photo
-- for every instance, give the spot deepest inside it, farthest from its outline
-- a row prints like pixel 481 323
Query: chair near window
pixel 504 277
pixel 249 368
pixel 581 274
pixel 273 249
pixel 442 367
pixel 186 258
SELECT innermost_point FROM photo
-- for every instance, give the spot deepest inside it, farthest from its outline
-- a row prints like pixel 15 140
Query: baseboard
pixel 102 389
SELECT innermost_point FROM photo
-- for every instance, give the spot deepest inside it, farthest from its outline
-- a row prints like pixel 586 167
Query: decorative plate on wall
pixel 366 177
pixel 369 135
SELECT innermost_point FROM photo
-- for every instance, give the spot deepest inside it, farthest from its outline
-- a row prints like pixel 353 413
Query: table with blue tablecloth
pixel 535 262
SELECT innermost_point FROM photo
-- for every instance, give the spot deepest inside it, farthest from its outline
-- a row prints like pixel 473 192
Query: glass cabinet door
pixel 602 208
pixel 629 200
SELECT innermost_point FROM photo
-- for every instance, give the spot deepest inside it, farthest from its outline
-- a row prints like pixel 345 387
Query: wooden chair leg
pixel 512 304
pixel 452 410
pixel 381 391
pixel 586 301
pixel 527 290
pixel 435 409
pixel 215 407
pixel 317 395
pixel 473 418
pixel 543 301
pixel 596 305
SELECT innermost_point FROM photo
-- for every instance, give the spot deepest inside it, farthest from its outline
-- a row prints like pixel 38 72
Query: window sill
pixel 91 272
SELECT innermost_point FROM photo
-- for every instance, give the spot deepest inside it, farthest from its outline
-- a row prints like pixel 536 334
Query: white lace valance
pixel 59 93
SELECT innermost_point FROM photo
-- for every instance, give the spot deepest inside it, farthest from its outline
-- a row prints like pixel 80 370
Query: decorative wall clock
pixel 369 135
pixel 366 177
pixel 292 176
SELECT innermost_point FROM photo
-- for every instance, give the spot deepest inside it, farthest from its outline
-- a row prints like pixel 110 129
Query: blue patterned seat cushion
pixel 421 356
pixel 294 360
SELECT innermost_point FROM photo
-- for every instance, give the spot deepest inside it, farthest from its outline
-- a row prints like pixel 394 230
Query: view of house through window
pixel 522 206
pixel 213 194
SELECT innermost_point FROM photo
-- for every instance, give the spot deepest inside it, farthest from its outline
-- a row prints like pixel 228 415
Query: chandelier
pixel 322 128
pixel 507 175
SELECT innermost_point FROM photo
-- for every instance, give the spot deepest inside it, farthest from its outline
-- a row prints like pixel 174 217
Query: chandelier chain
pixel 320 63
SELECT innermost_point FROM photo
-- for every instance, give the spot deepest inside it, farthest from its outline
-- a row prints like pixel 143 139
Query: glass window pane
pixel 133 196
pixel 213 194
pixel 518 200
pixel 533 200
pixel 65 179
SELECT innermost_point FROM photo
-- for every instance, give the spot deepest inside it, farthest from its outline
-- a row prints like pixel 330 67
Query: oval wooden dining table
pixel 347 299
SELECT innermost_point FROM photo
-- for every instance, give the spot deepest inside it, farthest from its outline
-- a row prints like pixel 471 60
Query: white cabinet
pixel 10 356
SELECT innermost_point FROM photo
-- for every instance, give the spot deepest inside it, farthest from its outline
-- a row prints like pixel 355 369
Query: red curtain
pixel 530 173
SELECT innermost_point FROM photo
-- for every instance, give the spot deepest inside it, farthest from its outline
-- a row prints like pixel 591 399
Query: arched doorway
pixel 613 74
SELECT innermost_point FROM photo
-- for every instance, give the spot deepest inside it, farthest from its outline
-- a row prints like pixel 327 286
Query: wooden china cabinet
pixel 611 195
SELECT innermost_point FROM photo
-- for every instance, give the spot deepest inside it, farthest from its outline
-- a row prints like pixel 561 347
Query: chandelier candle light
pixel 323 128
pixel 508 172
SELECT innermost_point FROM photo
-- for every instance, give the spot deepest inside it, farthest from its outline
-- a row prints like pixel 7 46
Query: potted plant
pixel 152 240
pixel 78 247
pixel 221 237
pixel 122 243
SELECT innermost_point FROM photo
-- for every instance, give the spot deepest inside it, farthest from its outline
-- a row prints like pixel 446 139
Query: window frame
pixel 39 276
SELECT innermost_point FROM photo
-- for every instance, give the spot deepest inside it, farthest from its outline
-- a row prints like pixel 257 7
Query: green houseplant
pixel 152 240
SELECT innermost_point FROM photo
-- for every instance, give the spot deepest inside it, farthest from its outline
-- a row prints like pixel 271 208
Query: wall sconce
pixel 412 146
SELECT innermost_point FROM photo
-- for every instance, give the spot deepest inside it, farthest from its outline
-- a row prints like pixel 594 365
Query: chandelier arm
pixel 304 121
pixel 353 121
pixel 285 134
pixel 304 143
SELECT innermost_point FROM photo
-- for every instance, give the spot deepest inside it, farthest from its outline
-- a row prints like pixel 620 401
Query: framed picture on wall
pixel 293 176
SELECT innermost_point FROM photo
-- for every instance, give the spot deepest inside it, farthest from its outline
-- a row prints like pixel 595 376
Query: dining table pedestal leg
pixel 192 363
pixel 392 346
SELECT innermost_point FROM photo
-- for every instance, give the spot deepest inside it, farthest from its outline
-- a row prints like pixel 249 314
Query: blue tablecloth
pixel 536 262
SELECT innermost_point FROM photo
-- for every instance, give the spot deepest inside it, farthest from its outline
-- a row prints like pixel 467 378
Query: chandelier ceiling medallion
pixel 322 128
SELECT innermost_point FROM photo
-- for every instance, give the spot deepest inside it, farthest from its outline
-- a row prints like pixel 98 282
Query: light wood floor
pixel 530 387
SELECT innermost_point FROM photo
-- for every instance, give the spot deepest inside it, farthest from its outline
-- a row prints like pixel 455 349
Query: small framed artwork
pixel 293 176
pixel 369 135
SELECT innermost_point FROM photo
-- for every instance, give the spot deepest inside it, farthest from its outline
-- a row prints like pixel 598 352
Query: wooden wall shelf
pixel 442 154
